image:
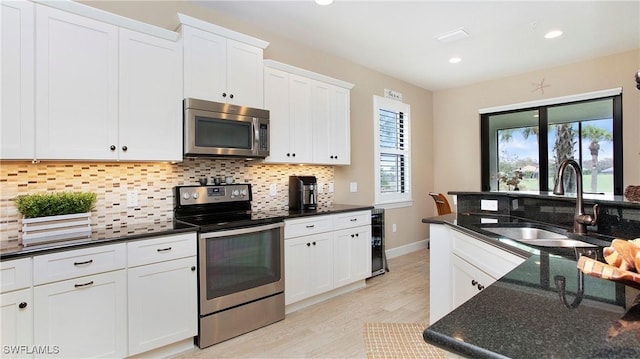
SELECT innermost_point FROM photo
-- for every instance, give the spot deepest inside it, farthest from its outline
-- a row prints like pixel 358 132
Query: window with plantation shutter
pixel 393 153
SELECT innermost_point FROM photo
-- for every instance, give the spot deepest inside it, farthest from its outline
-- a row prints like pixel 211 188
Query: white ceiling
pixel 398 38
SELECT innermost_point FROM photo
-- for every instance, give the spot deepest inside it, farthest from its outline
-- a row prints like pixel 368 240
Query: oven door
pixel 240 265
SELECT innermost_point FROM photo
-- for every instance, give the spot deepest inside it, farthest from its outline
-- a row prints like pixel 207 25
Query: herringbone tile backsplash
pixel 153 181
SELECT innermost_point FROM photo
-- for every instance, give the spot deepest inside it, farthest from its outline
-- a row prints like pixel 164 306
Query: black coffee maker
pixel 303 193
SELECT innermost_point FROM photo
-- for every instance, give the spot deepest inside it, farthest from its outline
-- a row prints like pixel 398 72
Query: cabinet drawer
pixel 15 274
pixel 492 260
pixel 306 226
pixel 80 262
pixel 161 249
pixel 351 219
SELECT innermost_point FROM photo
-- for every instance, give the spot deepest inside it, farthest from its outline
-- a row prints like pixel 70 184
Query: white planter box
pixel 55 228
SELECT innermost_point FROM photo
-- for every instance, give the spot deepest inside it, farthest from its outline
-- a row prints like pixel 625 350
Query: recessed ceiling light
pixel 553 34
pixel 323 2
pixel 455 60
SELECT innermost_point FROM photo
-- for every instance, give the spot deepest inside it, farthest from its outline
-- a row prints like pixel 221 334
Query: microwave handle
pixel 256 135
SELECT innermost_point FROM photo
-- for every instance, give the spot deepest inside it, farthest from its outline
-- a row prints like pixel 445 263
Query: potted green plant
pixel 49 217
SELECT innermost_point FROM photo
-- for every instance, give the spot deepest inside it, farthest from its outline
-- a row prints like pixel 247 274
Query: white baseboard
pixel 407 248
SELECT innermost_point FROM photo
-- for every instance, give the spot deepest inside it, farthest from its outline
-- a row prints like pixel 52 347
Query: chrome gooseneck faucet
pixel 580 219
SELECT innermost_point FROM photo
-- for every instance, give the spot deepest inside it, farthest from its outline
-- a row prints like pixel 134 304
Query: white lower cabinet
pixel 112 300
pixel 461 266
pixel 308 266
pixel 16 307
pixel 162 306
pixel 163 293
pixel 352 255
pixel 83 317
pixel 326 252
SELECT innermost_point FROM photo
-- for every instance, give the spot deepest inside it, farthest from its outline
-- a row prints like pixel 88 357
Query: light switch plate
pixel 132 199
pixel 273 190
pixel 320 188
pixel 330 187
pixel 353 186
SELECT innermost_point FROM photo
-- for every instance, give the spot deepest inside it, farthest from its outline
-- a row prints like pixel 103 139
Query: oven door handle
pixel 240 231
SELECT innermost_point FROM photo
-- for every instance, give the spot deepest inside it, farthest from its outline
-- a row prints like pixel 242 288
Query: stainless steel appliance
pixel 241 260
pixel 216 129
pixel 303 193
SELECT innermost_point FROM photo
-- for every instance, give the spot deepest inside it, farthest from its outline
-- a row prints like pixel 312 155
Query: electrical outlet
pixel 488 205
pixel 320 187
pixel 273 190
pixel 394 228
pixel 330 187
pixel 132 199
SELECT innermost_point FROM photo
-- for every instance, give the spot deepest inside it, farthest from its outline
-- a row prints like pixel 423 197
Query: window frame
pixel 396 199
pixel 542 107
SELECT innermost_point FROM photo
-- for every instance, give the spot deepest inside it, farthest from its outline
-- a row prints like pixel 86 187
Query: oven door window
pixel 220 133
pixel 236 263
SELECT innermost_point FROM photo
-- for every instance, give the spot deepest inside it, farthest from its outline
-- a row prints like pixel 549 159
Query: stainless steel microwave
pixel 222 130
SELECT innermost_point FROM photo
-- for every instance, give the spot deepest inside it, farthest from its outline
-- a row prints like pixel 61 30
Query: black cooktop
pixel 208 222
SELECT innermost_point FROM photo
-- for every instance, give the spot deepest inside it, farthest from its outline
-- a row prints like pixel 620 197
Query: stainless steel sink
pixel 537 237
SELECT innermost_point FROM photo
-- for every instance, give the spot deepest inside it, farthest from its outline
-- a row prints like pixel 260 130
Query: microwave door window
pixel 215 133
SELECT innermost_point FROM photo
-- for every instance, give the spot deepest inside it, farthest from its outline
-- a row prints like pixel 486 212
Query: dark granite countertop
pixel 137 231
pixel 521 315
pixel 102 236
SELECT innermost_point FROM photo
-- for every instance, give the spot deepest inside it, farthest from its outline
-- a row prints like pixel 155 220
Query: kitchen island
pixel 522 315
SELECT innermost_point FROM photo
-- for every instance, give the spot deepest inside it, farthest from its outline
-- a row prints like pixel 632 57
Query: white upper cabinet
pixel 76 86
pixel 288 99
pixel 221 65
pixel 17 134
pixel 150 100
pixel 331 124
pixel 309 114
pixel 80 83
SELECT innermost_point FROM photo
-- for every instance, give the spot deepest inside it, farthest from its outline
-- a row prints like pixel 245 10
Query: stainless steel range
pixel 241 259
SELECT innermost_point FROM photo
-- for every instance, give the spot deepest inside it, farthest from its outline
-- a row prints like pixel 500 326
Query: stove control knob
pixel 235 193
pixel 194 195
pixel 243 192
pixel 186 195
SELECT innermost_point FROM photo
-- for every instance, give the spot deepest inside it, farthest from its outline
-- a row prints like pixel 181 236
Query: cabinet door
pixel 16 311
pixel 276 100
pixel 17 121
pixel 467 281
pixel 331 125
pixel 351 255
pixel 296 269
pixel 205 65
pixel 308 266
pixel 321 262
pixel 300 116
pixel 77 87
pixel 163 304
pixel 244 75
pixel 83 317
pixel 340 126
pixel 150 120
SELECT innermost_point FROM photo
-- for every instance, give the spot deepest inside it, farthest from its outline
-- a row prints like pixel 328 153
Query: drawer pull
pixel 83 263
pixel 164 249
pixel 353 219
pixel 311 225
pixel 83 284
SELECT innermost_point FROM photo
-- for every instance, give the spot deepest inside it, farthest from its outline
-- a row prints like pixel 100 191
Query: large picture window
pixel 393 151
pixel 522 147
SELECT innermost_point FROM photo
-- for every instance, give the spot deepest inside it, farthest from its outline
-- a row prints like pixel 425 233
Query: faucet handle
pixel 587 219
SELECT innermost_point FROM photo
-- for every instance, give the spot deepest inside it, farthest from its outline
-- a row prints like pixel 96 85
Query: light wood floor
pixel 334 328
